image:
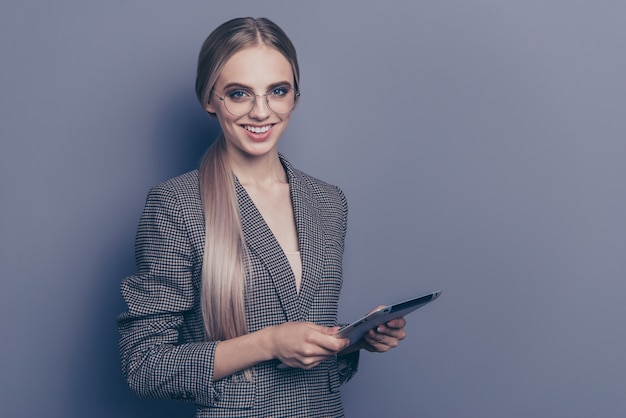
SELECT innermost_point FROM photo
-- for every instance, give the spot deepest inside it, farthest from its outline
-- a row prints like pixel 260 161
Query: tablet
pixel 358 328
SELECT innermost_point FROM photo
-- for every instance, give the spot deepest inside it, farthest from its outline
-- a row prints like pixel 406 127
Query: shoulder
pixel 184 183
pixel 184 186
pixel 318 187
pixel 180 193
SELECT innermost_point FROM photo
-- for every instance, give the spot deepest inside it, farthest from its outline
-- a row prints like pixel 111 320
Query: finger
pixel 324 344
pixel 390 339
pixel 396 323
pixel 333 345
pixel 314 355
pixel 307 356
pixel 398 333
pixel 323 329
pixel 329 330
pixel 376 336
pixel 377 308
pixel 378 343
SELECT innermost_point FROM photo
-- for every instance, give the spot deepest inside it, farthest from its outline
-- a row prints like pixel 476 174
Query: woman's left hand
pixel 384 337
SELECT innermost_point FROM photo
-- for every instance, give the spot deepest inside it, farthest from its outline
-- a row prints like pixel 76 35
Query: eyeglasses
pixel 239 102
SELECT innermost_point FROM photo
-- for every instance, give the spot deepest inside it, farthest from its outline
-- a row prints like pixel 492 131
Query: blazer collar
pixel 263 244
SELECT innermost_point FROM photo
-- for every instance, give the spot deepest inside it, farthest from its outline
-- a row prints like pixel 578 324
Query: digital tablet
pixel 358 328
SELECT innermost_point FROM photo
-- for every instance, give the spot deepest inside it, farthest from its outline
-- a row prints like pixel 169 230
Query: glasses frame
pixel 253 105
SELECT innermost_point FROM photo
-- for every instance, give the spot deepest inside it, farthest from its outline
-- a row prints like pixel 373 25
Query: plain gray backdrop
pixel 481 145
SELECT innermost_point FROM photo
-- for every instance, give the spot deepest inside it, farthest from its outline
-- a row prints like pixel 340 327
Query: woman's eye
pixel 237 95
pixel 279 91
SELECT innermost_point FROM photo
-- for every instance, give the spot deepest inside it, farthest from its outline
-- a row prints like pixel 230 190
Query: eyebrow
pixel 243 86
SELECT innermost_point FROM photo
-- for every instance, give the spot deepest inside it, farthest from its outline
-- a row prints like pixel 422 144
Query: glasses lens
pixel 239 102
pixel 281 100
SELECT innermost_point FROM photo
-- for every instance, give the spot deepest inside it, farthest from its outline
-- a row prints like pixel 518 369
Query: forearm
pixel 242 352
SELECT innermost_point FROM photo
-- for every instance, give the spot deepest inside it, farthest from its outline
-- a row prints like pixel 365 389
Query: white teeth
pixel 258 129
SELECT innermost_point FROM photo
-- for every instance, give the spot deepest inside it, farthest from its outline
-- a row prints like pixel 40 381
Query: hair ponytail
pixel 223 267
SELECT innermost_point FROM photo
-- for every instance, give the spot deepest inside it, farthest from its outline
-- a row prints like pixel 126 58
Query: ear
pixel 210 108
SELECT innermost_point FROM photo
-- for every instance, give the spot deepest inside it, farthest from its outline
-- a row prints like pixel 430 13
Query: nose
pixel 260 108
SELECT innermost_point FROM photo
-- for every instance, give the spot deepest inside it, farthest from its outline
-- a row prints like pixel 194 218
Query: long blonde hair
pixel 224 268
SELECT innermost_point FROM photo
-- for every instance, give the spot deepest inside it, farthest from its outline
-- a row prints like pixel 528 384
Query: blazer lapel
pixel 310 236
pixel 262 244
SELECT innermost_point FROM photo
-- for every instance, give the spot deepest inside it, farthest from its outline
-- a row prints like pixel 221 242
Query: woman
pixel 234 302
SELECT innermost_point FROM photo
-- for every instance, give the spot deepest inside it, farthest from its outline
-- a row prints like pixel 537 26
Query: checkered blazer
pixel 162 345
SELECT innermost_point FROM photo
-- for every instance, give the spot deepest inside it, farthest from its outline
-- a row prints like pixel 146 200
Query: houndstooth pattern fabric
pixel 162 347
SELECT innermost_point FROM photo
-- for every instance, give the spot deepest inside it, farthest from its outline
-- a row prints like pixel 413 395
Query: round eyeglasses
pixel 240 102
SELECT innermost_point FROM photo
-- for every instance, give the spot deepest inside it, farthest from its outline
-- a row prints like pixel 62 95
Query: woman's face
pixel 256 70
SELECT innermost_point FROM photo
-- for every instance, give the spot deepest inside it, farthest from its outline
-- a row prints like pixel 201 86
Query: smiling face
pixel 258 70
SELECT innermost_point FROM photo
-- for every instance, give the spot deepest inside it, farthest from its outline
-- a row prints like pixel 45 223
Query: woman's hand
pixel 384 337
pixel 304 345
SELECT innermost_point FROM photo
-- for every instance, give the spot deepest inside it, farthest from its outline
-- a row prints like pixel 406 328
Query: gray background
pixel 480 144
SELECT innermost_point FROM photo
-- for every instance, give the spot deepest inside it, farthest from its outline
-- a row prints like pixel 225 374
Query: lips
pixel 259 133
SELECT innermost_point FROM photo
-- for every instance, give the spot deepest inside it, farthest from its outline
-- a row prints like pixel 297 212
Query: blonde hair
pixel 224 268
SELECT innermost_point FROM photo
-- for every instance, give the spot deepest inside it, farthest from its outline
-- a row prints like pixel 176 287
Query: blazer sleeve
pixel 159 297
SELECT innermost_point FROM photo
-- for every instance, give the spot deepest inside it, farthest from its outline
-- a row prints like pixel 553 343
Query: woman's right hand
pixel 304 345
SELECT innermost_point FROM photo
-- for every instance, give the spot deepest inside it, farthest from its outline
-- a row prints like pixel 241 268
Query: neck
pixel 257 170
